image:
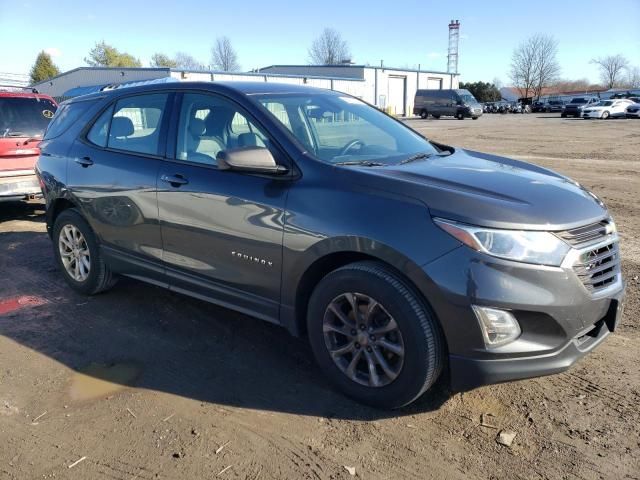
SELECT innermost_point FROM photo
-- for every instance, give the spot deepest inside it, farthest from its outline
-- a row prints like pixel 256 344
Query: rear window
pixel 25 116
pixel 65 117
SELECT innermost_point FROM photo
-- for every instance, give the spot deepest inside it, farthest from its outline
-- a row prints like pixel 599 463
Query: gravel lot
pixel 190 390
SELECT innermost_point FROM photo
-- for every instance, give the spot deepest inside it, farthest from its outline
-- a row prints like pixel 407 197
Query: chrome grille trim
pixel 597 265
pixel 586 234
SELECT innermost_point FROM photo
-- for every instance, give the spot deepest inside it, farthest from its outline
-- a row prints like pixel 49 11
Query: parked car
pixel 554 106
pixel 633 110
pixel 24 116
pixel 452 103
pixel 607 109
pixel 576 105
pixel 538 107
pixel 398 257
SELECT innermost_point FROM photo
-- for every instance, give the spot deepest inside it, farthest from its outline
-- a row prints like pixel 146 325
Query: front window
pixel 341 129
pixel 468 99
pixel 25 116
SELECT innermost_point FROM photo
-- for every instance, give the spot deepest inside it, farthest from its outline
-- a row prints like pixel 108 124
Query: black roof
pixel 246 88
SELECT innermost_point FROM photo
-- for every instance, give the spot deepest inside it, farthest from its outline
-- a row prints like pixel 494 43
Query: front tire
pixel 423 114
pixel 373 337
pixel 460 116
pixel 605 115
pixel 78 256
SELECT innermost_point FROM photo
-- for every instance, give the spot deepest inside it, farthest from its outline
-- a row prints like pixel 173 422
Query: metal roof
pixel 375 67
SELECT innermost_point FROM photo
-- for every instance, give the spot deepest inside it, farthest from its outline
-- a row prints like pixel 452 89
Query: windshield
pixel 25 116
pixel 579 100
pixel 608 103
pixel 468 98
pixel 337 128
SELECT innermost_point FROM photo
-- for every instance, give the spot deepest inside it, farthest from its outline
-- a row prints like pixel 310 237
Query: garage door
pixel 396 95
pixel 434 83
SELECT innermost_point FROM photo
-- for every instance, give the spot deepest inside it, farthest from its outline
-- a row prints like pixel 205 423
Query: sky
pixel 402 33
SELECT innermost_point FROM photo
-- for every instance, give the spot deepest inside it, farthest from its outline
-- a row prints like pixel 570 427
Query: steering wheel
pixel 350 145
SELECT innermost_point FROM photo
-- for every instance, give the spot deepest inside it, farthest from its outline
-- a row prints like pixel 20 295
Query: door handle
pixel 84 161
pixel 175 180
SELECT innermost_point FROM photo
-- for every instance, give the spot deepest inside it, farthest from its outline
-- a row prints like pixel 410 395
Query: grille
pixel 584 235
pixel 598 268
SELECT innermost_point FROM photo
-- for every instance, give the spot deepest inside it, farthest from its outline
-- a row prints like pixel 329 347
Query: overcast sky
pixel 265 32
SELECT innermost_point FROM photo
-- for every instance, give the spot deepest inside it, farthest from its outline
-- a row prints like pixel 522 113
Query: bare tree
pixel 523 71
pixel 534 65
pixel 223 55
pixel 329 49
pixel 546 68
pixel 187 62
pixel 611 69
pixel 633 78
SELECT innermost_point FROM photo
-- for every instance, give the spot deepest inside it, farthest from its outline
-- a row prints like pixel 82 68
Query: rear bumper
pixel 18 185
pixel 469 373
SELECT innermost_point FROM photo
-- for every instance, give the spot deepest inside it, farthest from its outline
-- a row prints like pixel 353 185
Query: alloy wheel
pixel 74 253
pixel 363 339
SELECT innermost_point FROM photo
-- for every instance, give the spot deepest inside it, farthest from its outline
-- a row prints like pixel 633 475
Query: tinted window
pixel 25 116
pixel 66 116
pixel 136 121
pixel 210 124
pixel 100 129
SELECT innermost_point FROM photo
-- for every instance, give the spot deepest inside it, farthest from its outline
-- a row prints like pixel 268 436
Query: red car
pixel 24 116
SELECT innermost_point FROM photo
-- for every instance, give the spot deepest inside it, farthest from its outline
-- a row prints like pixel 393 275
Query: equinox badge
pixel 250 258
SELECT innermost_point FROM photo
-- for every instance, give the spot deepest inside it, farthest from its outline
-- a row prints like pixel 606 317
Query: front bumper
pixel 561 321
pixel 18 185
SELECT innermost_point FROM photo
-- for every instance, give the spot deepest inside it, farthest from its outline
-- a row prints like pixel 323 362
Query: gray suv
pixel 401 259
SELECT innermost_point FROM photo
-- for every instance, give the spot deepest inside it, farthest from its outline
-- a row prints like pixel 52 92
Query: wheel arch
pixel 58 206
pixel 294 308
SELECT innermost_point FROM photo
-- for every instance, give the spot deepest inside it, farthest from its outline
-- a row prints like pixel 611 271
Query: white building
pixel 391 89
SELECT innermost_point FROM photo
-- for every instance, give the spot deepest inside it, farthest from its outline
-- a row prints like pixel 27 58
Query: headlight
pixel 542 248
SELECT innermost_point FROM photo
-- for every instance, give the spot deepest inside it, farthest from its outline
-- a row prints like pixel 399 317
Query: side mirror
pixel 250 160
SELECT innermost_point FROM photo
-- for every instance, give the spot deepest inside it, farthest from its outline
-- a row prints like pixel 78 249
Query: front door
pixel 222 230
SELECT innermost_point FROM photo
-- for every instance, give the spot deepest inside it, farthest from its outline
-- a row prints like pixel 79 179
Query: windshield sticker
pixel 47 113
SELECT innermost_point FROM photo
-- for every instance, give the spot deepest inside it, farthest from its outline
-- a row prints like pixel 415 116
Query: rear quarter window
pixel 66 116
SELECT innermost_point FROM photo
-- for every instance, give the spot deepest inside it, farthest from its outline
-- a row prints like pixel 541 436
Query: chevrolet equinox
pixel 400 258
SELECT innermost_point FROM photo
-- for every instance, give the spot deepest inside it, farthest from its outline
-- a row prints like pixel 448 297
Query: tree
pixel 103 55
pixel 534 65
pixel 546 68
pixel 483 91
pixel 43 68
pixel 633 78
pixel 162 60
pixel 186 61
pixel 223 55
pixel 611 69
pixel 329 49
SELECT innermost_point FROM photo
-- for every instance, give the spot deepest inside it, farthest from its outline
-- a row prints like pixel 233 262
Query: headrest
pixel 217 120
pixel 250 140
pixel 121 127
pixel 196 127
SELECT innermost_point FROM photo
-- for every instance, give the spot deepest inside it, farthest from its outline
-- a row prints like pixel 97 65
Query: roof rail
pixel 17 87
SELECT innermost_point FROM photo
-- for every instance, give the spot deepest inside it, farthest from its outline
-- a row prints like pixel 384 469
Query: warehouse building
pixel 391 89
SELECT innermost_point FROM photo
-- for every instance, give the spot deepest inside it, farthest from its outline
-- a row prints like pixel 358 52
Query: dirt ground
pixel 140 383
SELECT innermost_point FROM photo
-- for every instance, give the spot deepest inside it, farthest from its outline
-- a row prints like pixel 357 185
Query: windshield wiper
pixel 417 156
pixel 363 163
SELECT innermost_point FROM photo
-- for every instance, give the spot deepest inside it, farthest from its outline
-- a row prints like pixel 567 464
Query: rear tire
pixel 435 116
pixel 605 115
pixel 388 350
pixel 78 255
pixel 460 116
pixel 563 115
pixel 424 114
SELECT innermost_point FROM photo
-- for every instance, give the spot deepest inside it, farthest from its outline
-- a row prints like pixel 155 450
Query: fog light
pixel 498 326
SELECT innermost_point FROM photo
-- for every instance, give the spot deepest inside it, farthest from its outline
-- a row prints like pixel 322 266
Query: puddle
pixel 97 380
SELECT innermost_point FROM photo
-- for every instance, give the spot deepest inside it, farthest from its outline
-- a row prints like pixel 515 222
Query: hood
pixel 492 191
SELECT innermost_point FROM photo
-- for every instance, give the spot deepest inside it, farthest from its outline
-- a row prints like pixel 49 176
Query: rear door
pixel 222 230
pixel 112 176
